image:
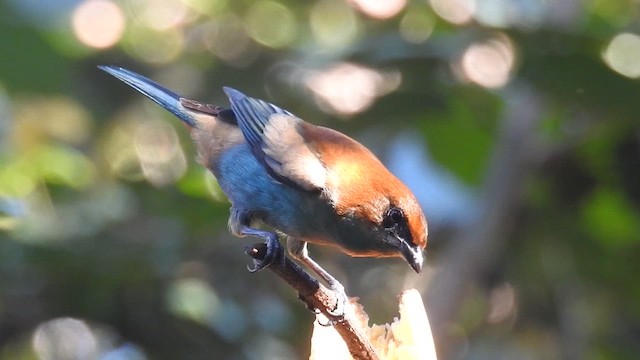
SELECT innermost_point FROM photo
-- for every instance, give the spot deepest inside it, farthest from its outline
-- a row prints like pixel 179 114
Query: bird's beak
pixel 154 91
pixel 413 255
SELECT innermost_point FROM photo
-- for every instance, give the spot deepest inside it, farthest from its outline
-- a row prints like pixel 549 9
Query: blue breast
pixel 249 187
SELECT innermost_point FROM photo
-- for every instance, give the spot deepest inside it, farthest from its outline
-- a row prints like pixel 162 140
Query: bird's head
pixel 363 191
pixel 392 225
pixel 404 228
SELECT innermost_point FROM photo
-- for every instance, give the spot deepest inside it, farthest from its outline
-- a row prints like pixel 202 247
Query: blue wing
pixel 275 140
pixel 252 114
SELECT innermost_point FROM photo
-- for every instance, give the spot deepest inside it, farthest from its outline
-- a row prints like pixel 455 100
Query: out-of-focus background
pixel 515 122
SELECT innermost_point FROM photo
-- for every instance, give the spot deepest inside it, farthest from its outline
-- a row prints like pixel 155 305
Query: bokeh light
pixel 333 23
pixel 193 299
pixel 228 40
pixel 152 46
pixel 17 179
pixel 347 88
pixel 161 157
pixel 98 23
pixel 623 53
pixel 503 304
pixel 56 117
pixel 454 11
pixel 71 338
pixel 45 133
pixel 208 7
pixel 65 338
pixel 521 14
pixel 488 63
pixel 160 14
pixel 271 24
pixel 379 9
pixel 117 150
pixel 416 26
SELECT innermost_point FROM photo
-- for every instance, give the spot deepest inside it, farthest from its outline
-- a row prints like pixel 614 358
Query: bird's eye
pixel 396 223
pixel 395 215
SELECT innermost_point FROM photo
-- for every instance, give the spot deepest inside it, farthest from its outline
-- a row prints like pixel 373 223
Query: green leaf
pixel 611 219
pixel 461 140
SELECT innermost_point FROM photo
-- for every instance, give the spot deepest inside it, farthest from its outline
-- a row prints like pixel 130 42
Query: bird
pixel 285 176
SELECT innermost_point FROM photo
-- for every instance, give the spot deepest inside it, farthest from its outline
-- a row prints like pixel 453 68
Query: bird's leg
pixel 298 250
pixel 239 225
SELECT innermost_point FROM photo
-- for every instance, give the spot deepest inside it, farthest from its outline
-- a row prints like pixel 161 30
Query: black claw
pixel 259 254
pixel 257 266
pixel 326 324
pixel 265 254
pixel 341 302
pixel 336 315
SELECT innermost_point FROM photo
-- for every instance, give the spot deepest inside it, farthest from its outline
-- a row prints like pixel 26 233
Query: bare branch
pixel 318 297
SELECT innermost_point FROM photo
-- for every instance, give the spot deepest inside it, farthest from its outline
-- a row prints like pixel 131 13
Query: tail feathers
pixel 154 91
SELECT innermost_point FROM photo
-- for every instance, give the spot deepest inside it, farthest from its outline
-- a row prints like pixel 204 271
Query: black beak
pixel 413 255
pixel 154 91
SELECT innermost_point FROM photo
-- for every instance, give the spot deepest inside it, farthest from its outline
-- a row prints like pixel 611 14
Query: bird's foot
pixel 274 253
pixel 324 320
pixel 331 316
pixel 337 313
pixel 298 249
pixel 331 319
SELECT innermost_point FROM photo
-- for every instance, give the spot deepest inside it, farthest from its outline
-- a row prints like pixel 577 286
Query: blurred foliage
pixel 113 241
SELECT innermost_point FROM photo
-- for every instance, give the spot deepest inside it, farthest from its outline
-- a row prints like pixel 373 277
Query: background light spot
pixel 380 9
pixel 416 26
pixel 623 54
pixel 228 40
pixel 98 23
pixel 502 303
pixel 333 23
pixel 488 63
pixel 160 14
pixel 65 338
pixel 348 89
pixel 193 299
pixel 156 47
pixel 161 158
pixel 454 11
pixel 271 24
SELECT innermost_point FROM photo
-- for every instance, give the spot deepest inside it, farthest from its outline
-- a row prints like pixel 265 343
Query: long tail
pixel 154 91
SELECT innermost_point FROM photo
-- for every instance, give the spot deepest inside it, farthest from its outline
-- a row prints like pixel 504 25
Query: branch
pixel 406 337
pixel 318 297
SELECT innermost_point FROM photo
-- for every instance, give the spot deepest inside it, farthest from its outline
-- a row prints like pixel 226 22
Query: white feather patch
pixel 288 154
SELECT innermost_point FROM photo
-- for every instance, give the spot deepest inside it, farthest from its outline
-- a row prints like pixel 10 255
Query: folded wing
pixel 277 140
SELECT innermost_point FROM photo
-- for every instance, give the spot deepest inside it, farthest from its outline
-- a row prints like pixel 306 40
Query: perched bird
pixel 310 183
